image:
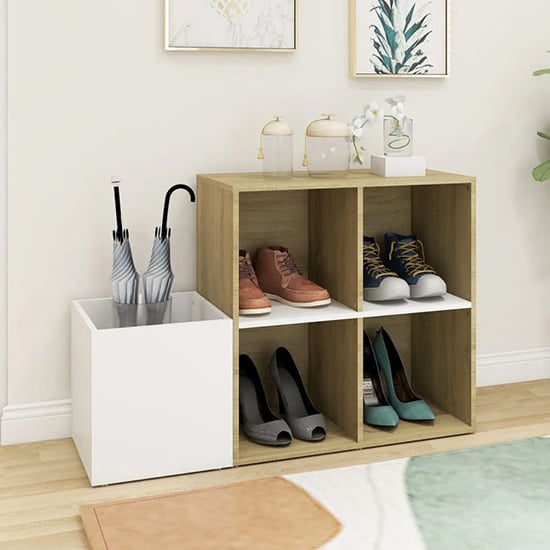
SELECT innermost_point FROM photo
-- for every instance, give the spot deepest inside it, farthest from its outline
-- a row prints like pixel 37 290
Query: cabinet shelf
pixel 286 315
pixel 447 302
pixel 282 314
pixel 322 221
pixel 445 425
pixel 336 441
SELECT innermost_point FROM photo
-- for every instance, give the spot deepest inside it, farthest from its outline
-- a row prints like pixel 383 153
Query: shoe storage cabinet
pixel 322 222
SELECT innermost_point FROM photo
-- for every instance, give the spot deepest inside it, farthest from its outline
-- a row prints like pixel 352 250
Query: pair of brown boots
pixel 275 276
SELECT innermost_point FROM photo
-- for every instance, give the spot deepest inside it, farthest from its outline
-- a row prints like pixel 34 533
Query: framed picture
pixel 405 38
pixel 237 25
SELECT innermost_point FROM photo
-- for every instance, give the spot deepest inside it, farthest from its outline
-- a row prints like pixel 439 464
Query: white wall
pixel 92 94
pixel 3 204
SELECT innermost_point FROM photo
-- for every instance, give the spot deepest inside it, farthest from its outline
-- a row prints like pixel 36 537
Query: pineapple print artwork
pixel 400 37
pixel 235 24
pixel 402 27
pixel 231 8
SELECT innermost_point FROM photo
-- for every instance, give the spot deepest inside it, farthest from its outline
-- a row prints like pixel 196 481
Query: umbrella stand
pixel 159 278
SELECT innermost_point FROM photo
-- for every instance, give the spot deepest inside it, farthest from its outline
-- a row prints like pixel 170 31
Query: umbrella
pixel 159 278
pixel 124 277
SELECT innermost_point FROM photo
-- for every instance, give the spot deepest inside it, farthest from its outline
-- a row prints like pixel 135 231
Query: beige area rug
pixel 266 514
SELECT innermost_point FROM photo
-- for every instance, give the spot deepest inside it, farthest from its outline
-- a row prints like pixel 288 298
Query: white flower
pixel 373 113
pixel 398 111
pixel 395 100
pixel 397 108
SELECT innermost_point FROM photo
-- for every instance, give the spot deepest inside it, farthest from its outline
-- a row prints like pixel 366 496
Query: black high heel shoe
pixel 407 404
pixel 257 420
pixel 304 419
pixel 377 410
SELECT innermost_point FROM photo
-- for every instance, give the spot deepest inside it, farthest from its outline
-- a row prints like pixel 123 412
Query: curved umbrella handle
pixel 164 230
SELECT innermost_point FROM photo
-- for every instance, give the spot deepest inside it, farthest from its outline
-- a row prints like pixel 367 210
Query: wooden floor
pixel 42 485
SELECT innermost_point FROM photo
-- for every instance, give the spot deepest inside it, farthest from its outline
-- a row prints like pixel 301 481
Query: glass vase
pixel 398 137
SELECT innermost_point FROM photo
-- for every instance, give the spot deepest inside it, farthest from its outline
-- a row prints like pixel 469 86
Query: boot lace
pixel 412 256
pixel 288 265
pixel 245 269
pixel 372 262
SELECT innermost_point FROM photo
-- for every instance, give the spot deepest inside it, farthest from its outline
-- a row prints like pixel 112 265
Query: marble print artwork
pixel 263 24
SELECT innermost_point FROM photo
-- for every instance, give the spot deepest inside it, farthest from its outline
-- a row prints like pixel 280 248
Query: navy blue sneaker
pixel 406 258
pixel 379 282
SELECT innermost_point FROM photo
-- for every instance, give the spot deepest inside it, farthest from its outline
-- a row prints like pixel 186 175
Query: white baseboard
pixel 52 419
pixel 513 366
pixel 36 422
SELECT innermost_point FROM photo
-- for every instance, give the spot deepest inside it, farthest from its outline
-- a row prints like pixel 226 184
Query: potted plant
pixel 542 171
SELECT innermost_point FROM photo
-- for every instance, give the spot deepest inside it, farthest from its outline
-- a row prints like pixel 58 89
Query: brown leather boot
pixel 252 301
pixel 281 280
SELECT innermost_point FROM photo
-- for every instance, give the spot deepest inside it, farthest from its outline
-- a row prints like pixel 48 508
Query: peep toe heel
pixel 304 419
pixel 257 420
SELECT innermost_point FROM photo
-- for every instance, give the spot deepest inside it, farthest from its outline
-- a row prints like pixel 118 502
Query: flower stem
pixel 357 157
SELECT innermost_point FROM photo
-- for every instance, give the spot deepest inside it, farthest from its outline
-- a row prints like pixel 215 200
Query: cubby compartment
pixel 327 356
pixel 319 227
pixel 436 350
pixel 441 216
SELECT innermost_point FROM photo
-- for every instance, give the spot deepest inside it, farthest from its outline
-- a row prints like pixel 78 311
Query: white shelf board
pixel 287 315
pixel 405 307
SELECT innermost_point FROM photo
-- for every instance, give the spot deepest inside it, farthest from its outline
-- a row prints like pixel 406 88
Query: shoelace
pixel 413 262
pixel 288 265
pixel 245 269
pixel 373 263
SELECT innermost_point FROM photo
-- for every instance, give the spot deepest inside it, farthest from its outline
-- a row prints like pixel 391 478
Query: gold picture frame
pixel 422 52
pixel 230 25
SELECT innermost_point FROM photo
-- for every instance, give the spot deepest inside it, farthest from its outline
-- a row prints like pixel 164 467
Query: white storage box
pixel 151 400
pixel 390 167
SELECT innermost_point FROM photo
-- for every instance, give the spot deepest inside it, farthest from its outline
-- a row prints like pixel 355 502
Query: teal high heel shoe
pixel 376 409
pixel 406 403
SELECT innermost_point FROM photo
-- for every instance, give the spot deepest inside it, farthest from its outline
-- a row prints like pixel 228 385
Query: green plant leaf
pixel 543 135
pixel 541 72
pixel 409 17
pixel 542 171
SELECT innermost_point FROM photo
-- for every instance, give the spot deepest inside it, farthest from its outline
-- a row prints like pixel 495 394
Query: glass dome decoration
pixel 276 148
pixel 327 149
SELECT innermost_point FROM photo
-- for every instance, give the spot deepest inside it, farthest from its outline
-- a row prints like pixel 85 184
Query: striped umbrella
pixel 124 277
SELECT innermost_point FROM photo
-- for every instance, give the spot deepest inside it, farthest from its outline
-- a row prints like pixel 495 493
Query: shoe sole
pixel 257 311
pixel 316 303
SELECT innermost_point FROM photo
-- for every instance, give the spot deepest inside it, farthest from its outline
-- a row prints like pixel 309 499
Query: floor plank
pixel 43 485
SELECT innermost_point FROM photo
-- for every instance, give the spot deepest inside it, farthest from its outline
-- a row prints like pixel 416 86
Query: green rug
pixel 490 497
pixel 495 497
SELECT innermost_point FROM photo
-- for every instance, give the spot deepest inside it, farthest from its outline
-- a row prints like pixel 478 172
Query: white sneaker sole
pixel 298 304
pixel 391 288
pixel 257 311
pixel 428 286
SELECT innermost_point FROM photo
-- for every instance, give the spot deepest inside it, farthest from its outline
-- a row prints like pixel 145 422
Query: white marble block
pixel 391 167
